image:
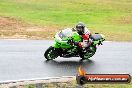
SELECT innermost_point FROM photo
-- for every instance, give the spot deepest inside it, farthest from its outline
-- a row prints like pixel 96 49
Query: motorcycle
pixel 65 46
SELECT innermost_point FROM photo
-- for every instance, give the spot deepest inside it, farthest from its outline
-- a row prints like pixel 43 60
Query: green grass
pixel 74 85
pixel 71 83
pixel 111 17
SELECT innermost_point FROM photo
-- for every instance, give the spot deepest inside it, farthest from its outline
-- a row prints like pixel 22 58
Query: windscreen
pixel 65 33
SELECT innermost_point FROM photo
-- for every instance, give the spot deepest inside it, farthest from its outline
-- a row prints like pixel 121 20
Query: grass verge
pixel 40 19
pixel 74 85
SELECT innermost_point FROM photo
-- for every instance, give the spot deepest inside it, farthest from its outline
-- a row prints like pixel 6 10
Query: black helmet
pixel 80 28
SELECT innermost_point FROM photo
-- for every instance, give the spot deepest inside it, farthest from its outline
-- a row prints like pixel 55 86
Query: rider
pixel 83 31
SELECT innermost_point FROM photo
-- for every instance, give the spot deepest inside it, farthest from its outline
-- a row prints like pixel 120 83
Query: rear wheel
pixel 90 52
pixel 50 53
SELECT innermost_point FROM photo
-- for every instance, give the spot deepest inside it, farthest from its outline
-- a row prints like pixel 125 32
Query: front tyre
pixel 50 53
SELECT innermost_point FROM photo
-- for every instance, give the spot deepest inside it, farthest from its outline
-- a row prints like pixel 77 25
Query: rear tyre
pixel 50 53
pixel 90 52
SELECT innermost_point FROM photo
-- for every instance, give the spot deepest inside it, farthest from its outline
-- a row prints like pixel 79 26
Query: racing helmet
pixel 80 28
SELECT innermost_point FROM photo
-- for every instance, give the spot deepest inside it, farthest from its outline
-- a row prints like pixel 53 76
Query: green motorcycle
pixel 65 46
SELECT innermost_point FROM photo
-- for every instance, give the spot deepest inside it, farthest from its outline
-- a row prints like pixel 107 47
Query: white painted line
pixel 34 79
pixel 13 39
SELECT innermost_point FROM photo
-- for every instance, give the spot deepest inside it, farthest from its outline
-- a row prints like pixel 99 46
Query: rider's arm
pixel 86 36
pixel 87 30
pixel 86 39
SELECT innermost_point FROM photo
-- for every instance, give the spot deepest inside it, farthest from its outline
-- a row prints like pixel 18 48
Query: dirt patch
pixel 12 28
pixel 7 23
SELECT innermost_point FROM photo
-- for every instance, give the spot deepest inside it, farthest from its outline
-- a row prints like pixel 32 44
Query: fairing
pixel 62 37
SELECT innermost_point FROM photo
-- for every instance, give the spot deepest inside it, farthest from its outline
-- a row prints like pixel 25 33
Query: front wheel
pixel 50 53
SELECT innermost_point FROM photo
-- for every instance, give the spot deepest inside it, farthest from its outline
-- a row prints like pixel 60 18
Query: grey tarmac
pixel 23 59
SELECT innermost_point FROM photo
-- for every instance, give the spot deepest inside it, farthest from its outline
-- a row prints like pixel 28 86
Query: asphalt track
pixel 23 59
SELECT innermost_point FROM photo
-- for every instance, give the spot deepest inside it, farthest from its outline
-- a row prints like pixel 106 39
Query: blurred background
pixel 41 19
